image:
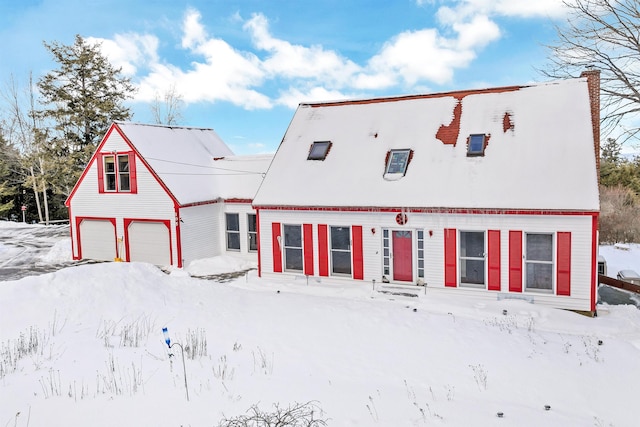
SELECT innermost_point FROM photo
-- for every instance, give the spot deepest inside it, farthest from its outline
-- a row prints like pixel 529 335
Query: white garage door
pixel 149 242
pixel 97 239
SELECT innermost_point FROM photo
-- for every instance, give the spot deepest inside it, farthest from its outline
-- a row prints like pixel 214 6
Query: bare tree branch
pixel 168 110
pixel 604 34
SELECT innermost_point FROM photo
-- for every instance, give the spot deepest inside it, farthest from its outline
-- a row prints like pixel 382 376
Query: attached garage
pixel 97 238
pixel 148 241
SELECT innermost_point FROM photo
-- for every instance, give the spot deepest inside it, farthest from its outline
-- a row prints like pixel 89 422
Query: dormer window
pixel 319 150
pixel 397 162
pixel 476 145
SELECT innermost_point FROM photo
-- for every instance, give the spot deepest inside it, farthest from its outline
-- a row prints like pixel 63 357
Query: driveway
pixel 31 250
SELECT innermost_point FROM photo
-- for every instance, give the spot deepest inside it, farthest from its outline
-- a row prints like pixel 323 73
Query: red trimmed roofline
pixel 463 211
pixel 67 202
pixel 458 94
pixel 218 200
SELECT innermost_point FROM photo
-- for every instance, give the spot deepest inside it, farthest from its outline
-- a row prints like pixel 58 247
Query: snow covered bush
pixel 296 415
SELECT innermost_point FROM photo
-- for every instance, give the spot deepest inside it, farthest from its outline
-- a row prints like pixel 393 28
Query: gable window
pixel 123 172
pixel 539 262
pixel 252 233
pixel 397 161
pixel 476 145
pixel 472 264
pixel 341 250
pixel 116 173
pixel 109 173
pixel 292 247
pixel 319 150
pixel 233 231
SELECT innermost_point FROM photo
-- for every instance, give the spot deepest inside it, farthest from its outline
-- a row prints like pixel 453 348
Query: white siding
pixel 200 231
pixel 580 227
pixel 151 201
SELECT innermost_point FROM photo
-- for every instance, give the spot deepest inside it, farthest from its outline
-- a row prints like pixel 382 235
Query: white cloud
pixel 295 61
pixel 477 33
pixel 292 97
pixel 223 74
pixel 220 72
pixel 463 10
pixel 418 55
pixel 193 31
pixel 129 51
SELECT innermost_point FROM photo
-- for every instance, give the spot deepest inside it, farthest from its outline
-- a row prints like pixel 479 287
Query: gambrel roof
pixel 538 151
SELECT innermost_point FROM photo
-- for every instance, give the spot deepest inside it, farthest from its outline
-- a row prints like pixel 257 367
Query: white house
pixel 165 195
pixel 492 193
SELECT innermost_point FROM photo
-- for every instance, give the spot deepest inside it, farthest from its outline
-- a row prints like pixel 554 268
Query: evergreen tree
pixel 8 186
pixel 82 97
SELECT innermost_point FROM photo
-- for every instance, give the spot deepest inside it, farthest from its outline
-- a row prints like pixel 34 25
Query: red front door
pixel 402 256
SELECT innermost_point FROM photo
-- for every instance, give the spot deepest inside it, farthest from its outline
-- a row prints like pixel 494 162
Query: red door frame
pixel 402 256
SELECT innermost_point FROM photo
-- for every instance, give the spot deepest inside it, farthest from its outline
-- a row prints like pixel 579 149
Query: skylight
pixel 397 162
pixel 476 145
pixel 319 150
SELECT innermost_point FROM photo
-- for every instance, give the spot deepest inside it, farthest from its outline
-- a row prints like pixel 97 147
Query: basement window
pixel 319 150
pixel 476 144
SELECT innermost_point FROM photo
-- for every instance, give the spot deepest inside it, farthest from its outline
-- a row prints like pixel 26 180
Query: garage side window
pixel 252 232
pixel 233 231
pixel 116 173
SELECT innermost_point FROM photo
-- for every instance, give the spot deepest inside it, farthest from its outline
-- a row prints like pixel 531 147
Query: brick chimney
pixel 593 84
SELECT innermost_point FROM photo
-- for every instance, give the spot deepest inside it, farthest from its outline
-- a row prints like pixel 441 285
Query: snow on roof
pixel 238 177
pixel 539 152
pixel 184 159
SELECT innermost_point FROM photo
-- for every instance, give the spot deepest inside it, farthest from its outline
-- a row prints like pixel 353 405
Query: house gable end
pixel 137 155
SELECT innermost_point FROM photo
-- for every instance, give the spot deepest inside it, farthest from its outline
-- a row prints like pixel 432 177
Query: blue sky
pixel 243 66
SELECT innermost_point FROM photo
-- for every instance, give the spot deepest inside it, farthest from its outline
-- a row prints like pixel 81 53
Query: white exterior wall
pixel 580 227
pixel 242 209
pixel 150 202
pixel 200 231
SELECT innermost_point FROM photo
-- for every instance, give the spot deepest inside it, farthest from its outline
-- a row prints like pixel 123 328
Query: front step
pixel 402 291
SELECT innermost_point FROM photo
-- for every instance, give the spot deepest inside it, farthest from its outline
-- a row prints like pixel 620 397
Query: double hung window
pixel 341 250
pixel 252 233
pixel 292 247
pixel 233 231
pixel 472 262
pixel 116 173
pixel 539 262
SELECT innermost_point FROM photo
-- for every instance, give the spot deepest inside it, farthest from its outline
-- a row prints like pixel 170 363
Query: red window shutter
pixel 323 250
pixel 563 279
pixel 275 244
pixel 307 230
pixel 358 261
pixel 515 261
pixel 100 161
pixel 493 260
pixel 450 266
pixel 133 178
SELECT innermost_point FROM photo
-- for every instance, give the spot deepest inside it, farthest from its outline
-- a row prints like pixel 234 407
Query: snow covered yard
pixel 84 346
